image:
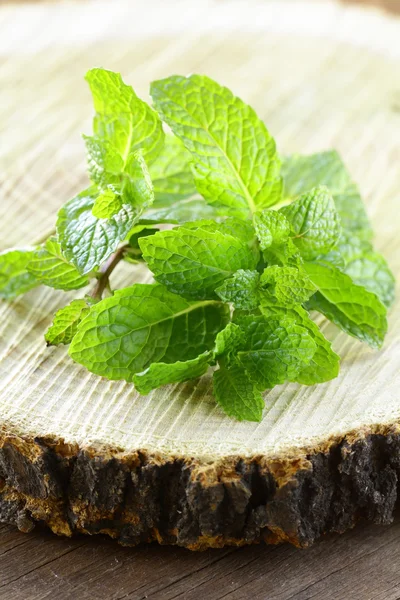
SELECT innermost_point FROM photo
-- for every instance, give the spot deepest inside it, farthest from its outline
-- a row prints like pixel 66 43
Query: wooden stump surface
pixel 321 75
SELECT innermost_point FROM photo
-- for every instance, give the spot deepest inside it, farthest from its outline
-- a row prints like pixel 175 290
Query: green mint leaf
pixel 334 257
pixel 107 204
pixel 50 267
pixel 133 187
pixel 194 260
pixel 15 278
pixel 133 252
pixel 283 254
pixel 285 286
pixel 271 227
pixel 65 323
pixel 182 211
pixel 135 190
pixel 171 174
pixel 235 164
pixel 351 307
pixel 104 162
pixel 122 119
pixel 325 363
pixel 137 187
pixel 242 230
pixel 145 324
pixel 273 230
pixel 241 290
pixel 138 232
pixel 301 173
pixel 275 350
pixel 158 374
pixel 368 268
pixel 314 221
pixel 236 394
pixel 228 341
pixel 87 241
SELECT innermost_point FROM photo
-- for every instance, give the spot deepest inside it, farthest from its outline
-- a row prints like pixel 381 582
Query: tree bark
pixel 199 503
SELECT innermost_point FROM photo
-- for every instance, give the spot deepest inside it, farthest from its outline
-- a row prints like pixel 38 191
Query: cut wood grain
pixel 82 454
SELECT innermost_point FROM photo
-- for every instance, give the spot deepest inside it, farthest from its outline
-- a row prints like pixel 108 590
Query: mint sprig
pixel 240 249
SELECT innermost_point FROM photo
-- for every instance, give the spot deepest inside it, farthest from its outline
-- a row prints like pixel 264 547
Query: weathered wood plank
pixel 335 569
pixel 31 554
pixel 101 569
pixel 359 565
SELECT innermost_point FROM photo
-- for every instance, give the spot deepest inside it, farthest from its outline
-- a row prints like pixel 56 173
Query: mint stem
pixel 105 272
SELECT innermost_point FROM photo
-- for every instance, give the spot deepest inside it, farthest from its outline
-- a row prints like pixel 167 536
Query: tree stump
pixel 85 455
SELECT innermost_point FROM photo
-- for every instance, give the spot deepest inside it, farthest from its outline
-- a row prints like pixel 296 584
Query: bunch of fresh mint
pixel 260 242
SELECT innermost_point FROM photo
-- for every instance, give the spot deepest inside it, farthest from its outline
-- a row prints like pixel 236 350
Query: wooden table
pixel 360 565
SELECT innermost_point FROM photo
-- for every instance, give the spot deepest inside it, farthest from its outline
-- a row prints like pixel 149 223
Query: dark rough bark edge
pixel 200 503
